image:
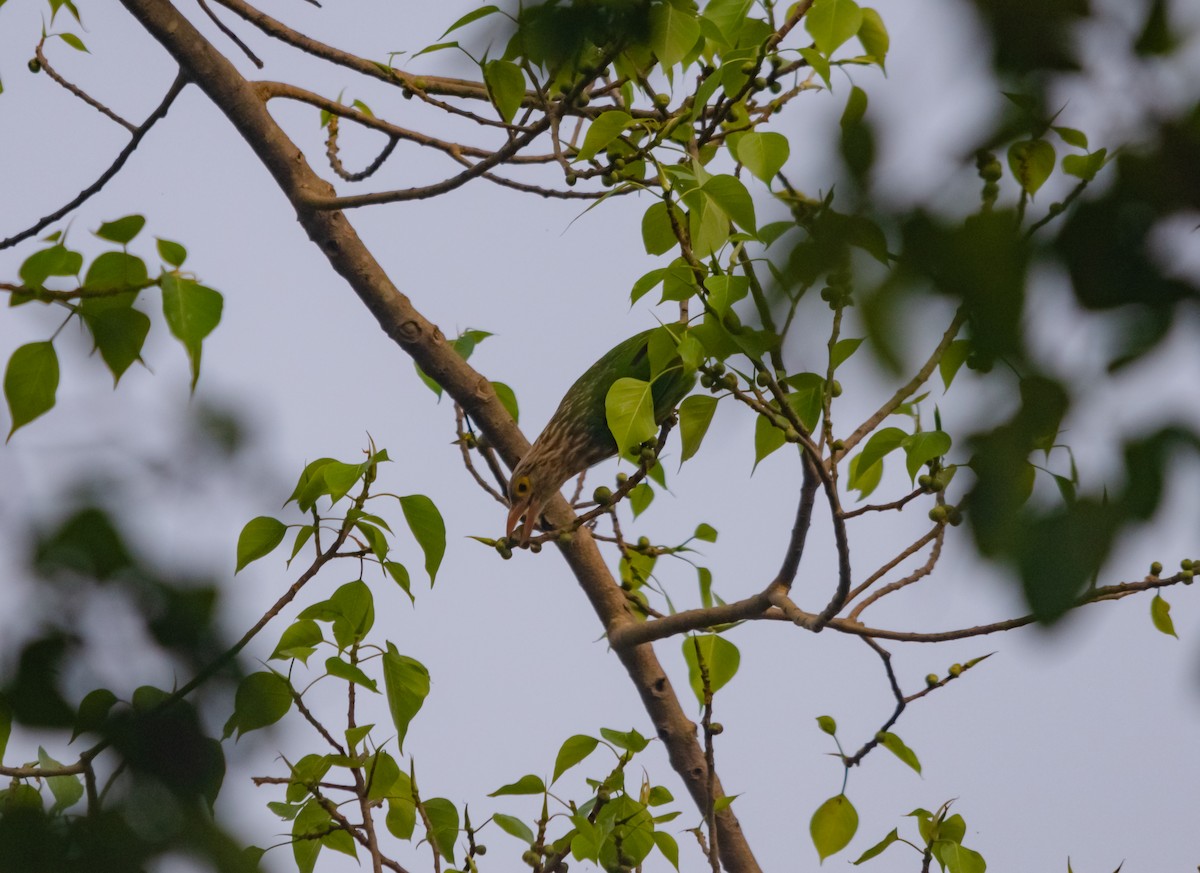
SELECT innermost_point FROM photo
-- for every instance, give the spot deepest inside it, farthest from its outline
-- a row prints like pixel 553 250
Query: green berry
pixel 602 495
pixel 504 551
pixel 992 172
pixel 535 547
pixel 718 368
pixel 643 543
pixel 729 381
pixel 749 67
pixel 956 669
pixel 932 679
pixel 836 445
pixel 1155 568
pixel 716 728
pixel 481 849
pixel 662 101
pixel 1185 564
pixel 938 514
pixel 35 66
pixel 622 478
pixel 835 388
pixel 565 538
pixel 926 482
pixel 760 84
pixel 706 381
pixel 762 379
pixel 775 88
pixel 954 516
pixel 608 180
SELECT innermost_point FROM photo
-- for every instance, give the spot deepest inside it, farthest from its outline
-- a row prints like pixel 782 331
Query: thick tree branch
pixel 332 233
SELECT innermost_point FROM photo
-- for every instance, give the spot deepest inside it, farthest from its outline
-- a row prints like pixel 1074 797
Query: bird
pixel 577 435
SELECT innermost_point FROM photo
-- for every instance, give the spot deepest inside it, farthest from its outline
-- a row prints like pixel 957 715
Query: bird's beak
pixel 529 508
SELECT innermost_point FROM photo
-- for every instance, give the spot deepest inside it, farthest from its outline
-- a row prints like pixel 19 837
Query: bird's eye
pixel 521 486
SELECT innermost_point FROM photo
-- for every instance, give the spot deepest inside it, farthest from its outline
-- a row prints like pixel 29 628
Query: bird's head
pixel 527 493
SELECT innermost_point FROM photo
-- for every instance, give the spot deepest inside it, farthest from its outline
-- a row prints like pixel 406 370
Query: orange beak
pixel 529 508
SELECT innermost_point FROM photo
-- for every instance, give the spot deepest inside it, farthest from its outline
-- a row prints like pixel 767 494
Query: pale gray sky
pixel 1076 743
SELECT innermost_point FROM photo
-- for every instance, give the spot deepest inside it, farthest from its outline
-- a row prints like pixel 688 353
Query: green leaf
pixel 658 236
pixel 473 15
pixel 299 641
pixel 607 127
pixel 1160 614
pixel 514 826
pixel 123 230
pixel 763 154
pixel 957 858
pixel 311 820
pixel 674 32
pixel 407 684
pixel 819 64
pixel 171 252
pixel 831 22
pixel 881 443
pixel 896 746
pixel 92 713
pixel 67 790
pixel 667 845
pixel 864 480
pixel 399 574
pixel 719 657
pixel 508 399
pixel 506 85
pixel 428 528
pixel 879 847
pixel 574 750
pixel 192 311
pixel 728 16
pixel 629 411
pixel 922 447
pixel 833 825
pixel 1072 137
pixel 731 196
pixel 30 383
pixel 114 271
pixel 76 43
pixel 528 784
pixel 262 699
pixel 258 539
pixel 874 37
pixel 1032 162
pixel 640 498
pixel 767 438
pixel 119 333
pixel 952 360
pixel 705 532
pixel 827 724
pixel 1085 166
pixel 842 350
pixel 725 291
pixel 401 818
pixel 646 284
pixel 630 740
pixel 436 47
pixel 54 261
pixel 351 673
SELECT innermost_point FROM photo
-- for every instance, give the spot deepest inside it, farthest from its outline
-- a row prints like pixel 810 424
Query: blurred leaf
pixel 1032 162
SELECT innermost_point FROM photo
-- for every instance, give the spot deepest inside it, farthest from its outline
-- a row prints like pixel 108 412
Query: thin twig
pixel 234 38
pixel 79 92
pixel 138 135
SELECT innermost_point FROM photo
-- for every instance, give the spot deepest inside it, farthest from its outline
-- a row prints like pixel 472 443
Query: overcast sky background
pixel 1079 742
